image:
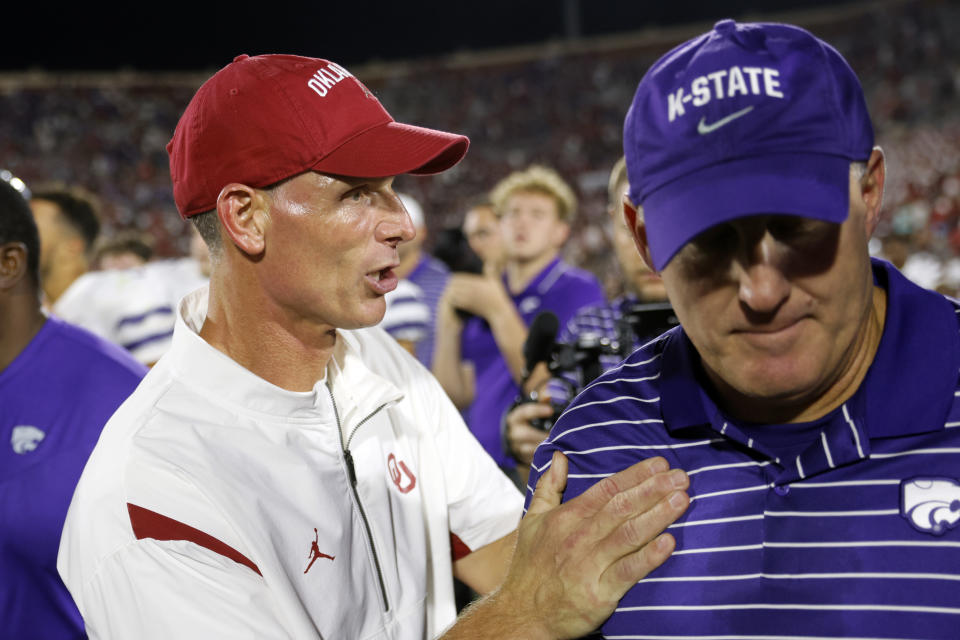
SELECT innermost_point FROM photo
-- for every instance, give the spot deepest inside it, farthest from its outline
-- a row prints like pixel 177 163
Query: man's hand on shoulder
pixel 573 562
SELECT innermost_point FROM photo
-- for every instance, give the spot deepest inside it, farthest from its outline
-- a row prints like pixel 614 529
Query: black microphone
pixel 540 340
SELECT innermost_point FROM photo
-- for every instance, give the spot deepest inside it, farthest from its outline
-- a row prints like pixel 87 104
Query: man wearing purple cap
pixel 287 470
pixel 811 392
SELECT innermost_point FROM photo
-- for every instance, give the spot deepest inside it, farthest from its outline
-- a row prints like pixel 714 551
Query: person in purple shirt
pixel 811 392
pixel 58 386
pixel 624 324
pixel 479 361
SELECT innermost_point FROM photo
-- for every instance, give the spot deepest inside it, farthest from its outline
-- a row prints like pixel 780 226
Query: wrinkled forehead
pixel 311 183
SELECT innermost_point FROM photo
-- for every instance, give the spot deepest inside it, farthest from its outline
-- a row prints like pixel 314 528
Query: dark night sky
pixel 179 35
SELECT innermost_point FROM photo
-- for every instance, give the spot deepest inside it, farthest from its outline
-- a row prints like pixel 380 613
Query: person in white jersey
pixel 136 307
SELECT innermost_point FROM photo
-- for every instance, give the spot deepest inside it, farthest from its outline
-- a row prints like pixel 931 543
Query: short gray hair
pixel 208 226
pixel 858 170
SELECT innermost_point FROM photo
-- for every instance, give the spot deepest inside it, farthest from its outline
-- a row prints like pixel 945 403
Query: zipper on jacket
pixel 352 473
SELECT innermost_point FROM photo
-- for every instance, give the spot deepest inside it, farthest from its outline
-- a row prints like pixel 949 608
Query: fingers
pixel 549 490
pixel 631 509
pixel 583 556
pixel 538 380
pixel 463 282
pixel 632 567
pixel 528 411
pixel 637 499
pixel 600 494
pixel 455 287
pixel 462 278
pixel 523 438
pixel 463 290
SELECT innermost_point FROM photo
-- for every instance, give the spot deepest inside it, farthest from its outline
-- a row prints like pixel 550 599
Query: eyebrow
pixel 354 181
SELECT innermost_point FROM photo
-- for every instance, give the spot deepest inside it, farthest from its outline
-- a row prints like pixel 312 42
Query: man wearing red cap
pixel 287 471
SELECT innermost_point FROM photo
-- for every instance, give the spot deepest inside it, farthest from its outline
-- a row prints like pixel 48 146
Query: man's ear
pixel 244 212
pixel 13 264
pixel 638 229
pixel 871 188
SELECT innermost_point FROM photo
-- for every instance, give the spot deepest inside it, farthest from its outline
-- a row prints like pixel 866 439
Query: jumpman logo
pixel 315 552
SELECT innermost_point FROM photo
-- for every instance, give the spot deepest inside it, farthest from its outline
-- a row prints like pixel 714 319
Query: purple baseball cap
pixel 747 119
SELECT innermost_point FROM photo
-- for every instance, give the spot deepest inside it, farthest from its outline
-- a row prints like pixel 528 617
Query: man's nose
pixel 763 284
pixel 397 226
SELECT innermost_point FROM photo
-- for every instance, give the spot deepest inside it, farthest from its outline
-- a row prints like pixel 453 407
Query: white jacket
pixel 196 514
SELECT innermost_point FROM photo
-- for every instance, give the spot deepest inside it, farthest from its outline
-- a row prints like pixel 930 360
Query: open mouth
pixel 382 281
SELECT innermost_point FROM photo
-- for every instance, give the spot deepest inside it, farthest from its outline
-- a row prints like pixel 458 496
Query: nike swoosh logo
pixel 703 128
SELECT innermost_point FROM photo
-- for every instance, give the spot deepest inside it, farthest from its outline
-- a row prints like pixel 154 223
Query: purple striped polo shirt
pixel 855 534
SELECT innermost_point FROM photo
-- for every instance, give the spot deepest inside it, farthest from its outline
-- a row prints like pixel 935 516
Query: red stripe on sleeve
pixel 150 524
pixel 457 547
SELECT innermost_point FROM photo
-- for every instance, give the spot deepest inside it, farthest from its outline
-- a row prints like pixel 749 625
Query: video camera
pixel 574 365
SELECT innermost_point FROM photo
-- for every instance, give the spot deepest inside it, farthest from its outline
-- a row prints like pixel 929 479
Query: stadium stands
pixel 559 103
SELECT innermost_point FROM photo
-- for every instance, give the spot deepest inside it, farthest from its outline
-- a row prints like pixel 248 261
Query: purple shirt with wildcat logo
pixel 847 526
pixel 55 397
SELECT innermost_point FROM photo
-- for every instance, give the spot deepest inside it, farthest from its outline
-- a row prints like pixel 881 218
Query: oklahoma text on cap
pixel 265 118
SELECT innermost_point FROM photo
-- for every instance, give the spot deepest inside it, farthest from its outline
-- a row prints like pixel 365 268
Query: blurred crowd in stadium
pixel 545 124
pixel 560 104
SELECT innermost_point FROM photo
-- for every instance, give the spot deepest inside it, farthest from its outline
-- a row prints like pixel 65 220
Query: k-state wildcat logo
pixel 25 438
pixel 931 505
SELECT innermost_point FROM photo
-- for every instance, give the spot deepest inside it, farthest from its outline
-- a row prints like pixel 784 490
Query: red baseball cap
pixel 263 119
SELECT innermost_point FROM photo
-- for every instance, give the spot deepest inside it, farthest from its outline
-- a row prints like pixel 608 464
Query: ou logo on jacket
pixel 406 482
